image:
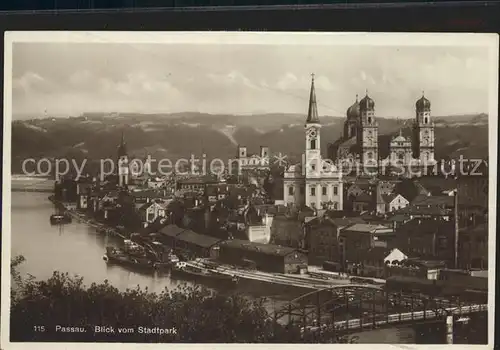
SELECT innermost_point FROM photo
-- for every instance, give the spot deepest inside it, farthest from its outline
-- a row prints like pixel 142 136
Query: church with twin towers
pixel 317 182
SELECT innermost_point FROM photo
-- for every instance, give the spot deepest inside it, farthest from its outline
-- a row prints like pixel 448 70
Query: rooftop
pixel 368 228
pixel 268 249
pixel 171 230
pixel 200 240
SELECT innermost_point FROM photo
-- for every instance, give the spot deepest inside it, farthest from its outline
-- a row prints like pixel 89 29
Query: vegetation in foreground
pixel 197 315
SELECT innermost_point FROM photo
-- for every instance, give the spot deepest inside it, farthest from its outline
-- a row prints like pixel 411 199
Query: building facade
pixel 361 142
pixel 316 182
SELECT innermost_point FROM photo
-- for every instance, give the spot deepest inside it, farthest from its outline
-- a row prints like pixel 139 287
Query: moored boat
pixel 121 257
pixel 59 219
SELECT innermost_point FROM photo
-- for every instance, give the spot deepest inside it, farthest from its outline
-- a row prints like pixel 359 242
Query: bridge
pixel 356 308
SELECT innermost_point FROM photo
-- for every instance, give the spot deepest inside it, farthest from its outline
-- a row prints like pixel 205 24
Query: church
pixel 315 182
pixel 384 154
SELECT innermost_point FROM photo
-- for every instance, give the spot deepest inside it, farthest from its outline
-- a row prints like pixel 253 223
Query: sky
pixel 67 79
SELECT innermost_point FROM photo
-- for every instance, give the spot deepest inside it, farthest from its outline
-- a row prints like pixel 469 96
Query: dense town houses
pixel 280 219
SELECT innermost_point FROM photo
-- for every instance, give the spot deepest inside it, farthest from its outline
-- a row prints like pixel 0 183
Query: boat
pixel 121 257
pixel 201 274
pixel 59 219
pixel 166 263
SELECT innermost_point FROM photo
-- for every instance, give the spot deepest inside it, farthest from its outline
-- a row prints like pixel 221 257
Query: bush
pixel 197 314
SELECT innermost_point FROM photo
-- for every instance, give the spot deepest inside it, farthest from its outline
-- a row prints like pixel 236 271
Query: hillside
pixel 96 136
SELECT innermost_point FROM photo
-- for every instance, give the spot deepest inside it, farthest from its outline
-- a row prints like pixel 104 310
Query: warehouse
pixel 189 242
pixel 264 257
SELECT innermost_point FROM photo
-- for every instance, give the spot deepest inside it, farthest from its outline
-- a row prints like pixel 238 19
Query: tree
pixel 197 314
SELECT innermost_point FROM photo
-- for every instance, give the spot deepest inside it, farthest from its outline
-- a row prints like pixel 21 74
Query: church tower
pixel 312 156
pixel 352 122
pixel 123 165
pixel 368 133
pixel 424 131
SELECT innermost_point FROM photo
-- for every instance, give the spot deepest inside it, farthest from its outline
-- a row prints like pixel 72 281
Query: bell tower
pixel 368 135
pixel 424 131
pixel 123 163
pixel 312 157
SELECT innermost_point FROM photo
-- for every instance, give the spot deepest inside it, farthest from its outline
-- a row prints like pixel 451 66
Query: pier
pixel 299 281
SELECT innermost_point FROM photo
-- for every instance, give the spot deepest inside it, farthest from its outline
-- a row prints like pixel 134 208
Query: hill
pixel 96 136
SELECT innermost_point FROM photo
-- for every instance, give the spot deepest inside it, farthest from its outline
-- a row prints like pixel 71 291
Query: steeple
pixel 122 148
pixel 312 114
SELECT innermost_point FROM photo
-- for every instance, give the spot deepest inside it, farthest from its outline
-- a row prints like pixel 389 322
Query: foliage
pixel 198 315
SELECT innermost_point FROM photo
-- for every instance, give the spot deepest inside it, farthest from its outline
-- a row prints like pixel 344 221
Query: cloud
pixel 30 82
pixel 288 81
pixel 236 78
pixel 231 79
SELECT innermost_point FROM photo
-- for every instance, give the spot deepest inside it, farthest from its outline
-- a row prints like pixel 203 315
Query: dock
pixel 300 281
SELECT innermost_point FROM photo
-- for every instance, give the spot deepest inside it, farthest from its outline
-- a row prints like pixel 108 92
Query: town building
pixel 151 211
pixel 247 161
pixel 377 262
pixel 355 239
pixel 427 238
pixel 264 257
pixel 322 237
pixel 315 182
pixel 387 203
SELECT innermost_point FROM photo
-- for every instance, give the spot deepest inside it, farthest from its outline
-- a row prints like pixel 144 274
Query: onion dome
pixel 366 103
pixel 423 104
pixel 353 111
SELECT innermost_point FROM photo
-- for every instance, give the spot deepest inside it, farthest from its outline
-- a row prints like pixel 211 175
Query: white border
pixel 490 41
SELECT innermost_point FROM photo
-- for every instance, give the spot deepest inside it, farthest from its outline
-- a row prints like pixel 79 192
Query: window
pixel 313 144
pixel 425 120
pixel 313 191
pixel 369 120
pixel 335 190
pixel 290 190
pixel 324 190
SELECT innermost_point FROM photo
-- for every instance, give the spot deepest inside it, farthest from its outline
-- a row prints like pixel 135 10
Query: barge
pixel 60 219
pixel 121 257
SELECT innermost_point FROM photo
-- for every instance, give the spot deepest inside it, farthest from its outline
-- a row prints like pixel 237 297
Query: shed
pixel 198 244
pixel 267 257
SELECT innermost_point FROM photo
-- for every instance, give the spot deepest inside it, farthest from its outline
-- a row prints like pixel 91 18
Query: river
pixel 77 249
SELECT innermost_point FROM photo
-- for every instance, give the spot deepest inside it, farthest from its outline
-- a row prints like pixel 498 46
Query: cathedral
pixel 362 143
pixel 315 182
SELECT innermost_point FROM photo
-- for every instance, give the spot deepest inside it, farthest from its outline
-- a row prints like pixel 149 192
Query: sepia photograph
pixel 244 187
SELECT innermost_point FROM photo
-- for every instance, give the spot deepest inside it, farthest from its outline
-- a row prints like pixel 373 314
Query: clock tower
pixel 312 156
pixel 312 128
pixel 368 135
pixel 424 131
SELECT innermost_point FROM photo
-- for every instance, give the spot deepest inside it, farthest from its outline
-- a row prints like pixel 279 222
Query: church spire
pixel 312 114
pixel 122 148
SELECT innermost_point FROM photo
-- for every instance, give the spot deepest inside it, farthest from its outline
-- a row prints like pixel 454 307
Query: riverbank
pixel 86 219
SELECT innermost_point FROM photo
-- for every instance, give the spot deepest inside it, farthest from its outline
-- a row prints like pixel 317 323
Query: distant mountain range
pixel 97 135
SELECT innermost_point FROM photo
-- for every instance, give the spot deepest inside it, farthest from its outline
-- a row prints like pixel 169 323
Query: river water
pixel 77 249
